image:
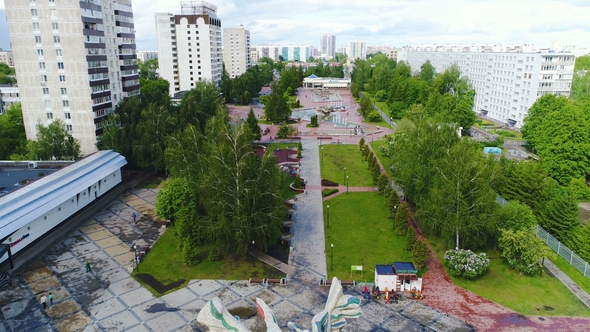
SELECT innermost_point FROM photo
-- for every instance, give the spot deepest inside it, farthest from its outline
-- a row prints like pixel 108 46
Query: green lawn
pixel 272 146
pixel 572 272
pixel 164 263
pixel 336 157
pixel 528 295
pixel 286 191
pixel 386 162
pixel 362 235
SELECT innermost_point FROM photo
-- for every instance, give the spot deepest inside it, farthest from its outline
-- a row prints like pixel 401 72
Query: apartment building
pixel 147 55
pixel 6 57
pixel 189 46
pixel 287 53
pixel 236 51
pixel 8 96
pixel 357 50
pixel 506 83
pixel 75 61
pixel 328 46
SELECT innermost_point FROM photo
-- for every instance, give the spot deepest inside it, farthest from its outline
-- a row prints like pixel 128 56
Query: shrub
pixel 361 143
pixel 420 252
pixel 382 183
pixel 380 95
pixel 374 116
pixel 214 255
pixel 299 146
pixel 299 154
pixel 328 183
pixel 327 192
pixel 299 184
pixel 465 263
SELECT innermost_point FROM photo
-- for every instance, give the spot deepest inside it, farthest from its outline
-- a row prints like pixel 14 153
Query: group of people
pixel 44 301
pixel 387 295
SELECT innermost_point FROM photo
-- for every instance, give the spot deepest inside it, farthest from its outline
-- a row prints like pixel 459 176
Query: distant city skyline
pixel 383 22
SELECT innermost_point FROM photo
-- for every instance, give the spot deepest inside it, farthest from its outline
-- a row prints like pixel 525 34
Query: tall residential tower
pixel 328 46
pixel 74 60
pixel 189 46
pixel 236 50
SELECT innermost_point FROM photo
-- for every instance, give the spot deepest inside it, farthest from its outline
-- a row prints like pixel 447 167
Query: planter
pixel 296 189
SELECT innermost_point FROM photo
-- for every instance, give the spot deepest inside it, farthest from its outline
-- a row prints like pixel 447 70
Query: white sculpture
pixel 338 307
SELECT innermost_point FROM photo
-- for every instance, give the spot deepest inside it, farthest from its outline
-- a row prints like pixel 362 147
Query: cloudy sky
pixel 384 22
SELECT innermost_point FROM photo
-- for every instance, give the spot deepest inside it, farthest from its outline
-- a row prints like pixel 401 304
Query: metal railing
pixel 563 251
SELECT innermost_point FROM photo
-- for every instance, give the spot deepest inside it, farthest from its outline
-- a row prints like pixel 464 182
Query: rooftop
pixel 12 179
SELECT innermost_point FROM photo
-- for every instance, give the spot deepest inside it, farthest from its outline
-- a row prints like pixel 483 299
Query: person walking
pixel 88 269
pixel 50 300
pixel 134 216
pixel 44 301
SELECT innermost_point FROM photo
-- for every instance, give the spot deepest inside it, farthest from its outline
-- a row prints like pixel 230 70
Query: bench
pixel 281 281
pixel 324 282
pixel 256 281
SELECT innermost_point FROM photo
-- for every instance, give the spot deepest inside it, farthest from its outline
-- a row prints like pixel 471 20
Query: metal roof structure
pixel 24 205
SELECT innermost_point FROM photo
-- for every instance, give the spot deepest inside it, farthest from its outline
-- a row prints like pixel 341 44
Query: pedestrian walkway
pixel 344 190
pixel 269 260
pixel 567 281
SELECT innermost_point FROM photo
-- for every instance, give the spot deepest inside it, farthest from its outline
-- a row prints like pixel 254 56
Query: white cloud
pixel 387 22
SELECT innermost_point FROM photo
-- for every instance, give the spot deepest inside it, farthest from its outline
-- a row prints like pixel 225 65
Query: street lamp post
pixel 136 258
pixel 344 173
pixel 347 184
pixel 253 258
pixel 328 216
pixel 322 154
pixel 332 258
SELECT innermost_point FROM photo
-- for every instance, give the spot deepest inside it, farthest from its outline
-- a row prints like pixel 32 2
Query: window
pixel 67 115
pixel 49 115
pixel 37 39
pixel 64 91
pixel 54 25
pixel 40 52
pixel 62 78
pixel 34 11
pixel 69 128
pixel 43 78
pixel 47 104
pixel 35 25
pixel 41 65
pixel 53 12
pixel 51 1
pixel 45 91
pixel 60 65
pixel 56 39
pixel 58 51
pixel 65 103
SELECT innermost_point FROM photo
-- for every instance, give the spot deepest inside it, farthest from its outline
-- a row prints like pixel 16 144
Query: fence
pixel 563 251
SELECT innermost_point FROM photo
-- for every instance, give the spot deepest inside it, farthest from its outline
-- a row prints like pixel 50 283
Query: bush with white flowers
pixel 465 263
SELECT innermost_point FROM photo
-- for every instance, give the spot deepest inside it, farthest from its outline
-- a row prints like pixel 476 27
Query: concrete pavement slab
pixel 284 310
pixel 134 203
pixel 136 297
pixel 43 285
pixel 94 227
pixel 398 323
pixel 167 322
pixel 225 295
pixel 124 286
pixel 120 321
pixel 202 287
pixel 302 320
pixel 82 249
pixel 138 328
pixel 109 242
pixel 75 238
pixel 35 265
pixel 65 265
pixel 108 308
pixel 113 275
pixel 359 324
pixel 242 288
pixel 150 309
pixel 421 313
pixel 95 236
pixel 104 264
pixel 307 299
pixel 84 284
pixel 94 297
pixel 17 292
pixel 447 323
pixel 191 309
pixel 72 275
pixel 60 294
pixel 117 249
pixel 375 312
pixel 125 259
pixel 35 274
pixel 74 322
pixel 25 315
pixel 128 196
pixel 62 309
pixel 178 298
pixel 267 296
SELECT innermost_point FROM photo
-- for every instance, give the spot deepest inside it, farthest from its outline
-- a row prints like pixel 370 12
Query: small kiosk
pixel 400 276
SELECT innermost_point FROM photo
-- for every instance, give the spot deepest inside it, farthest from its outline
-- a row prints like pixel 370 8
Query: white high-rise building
pixel 328 46
pixel 506 83
pixel 189 46
pixel 147 55
pixel 287 53
pixel 357 50
pixel 75 61
pixel 236 51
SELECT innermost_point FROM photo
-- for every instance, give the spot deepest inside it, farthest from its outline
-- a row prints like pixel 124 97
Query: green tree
pixel 361 143
pixel 382 183
pixel 155 125
pixel 366 106
pixel 393 203
pixel 199 105
pixel 175 195
pixel 559 217
pixel 534 122
pixel 283 131
pixel 13 140
pixel 420 252
pixel 402 217
pixel 427 72
pixel 6 74
pixel 276 109
pixel 516 216
pixel 410 238
pixel 522 249
pixel 226 85
pixel 252 123
pixel 579 189
pixel 54 142
pixel 148 70
pixel 463 113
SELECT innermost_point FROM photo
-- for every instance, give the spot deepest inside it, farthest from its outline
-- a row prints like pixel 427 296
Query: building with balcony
pixel 357 50
pixel 147 55
pixel 8 96
pixel 189 46
pixel 506 83
pixel 236 51
pixel 75 61
pixel 287 53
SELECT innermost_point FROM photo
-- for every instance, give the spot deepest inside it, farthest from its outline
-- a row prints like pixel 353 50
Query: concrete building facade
pixel 506 83
pixel 147 55
pixel 328 46
pixel 6 57
pixel 357 50
pixel 236 51
pixel 189 46
pixel 9 95
pixel 287 53
pixel 75 61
